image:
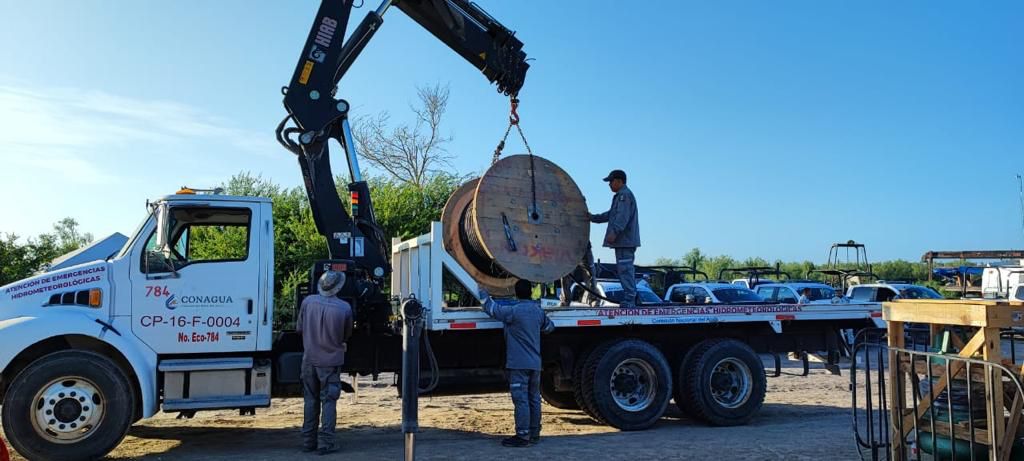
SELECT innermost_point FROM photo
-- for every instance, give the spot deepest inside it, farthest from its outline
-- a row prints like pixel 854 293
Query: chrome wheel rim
pixel 68 410
pixel 633 384
pixel 731 382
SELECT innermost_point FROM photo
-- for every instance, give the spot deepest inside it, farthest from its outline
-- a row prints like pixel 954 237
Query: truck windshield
pixel 818 293
pixel 646 296
pixel 736 295
pixel 919 293
pixel 135 236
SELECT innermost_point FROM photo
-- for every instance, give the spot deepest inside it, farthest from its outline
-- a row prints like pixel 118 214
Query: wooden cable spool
pixel 492 230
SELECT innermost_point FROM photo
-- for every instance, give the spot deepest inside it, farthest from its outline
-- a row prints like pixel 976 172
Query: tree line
pixel 893 270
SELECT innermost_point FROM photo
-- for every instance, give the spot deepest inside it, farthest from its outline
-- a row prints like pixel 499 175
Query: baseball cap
pixel 615 174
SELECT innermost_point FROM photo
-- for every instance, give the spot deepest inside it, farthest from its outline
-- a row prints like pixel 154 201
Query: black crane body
pixel 316 115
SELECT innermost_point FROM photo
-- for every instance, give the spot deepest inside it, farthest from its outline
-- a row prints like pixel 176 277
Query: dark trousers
pixel 525 388
pixel 321 387
pixel 627 275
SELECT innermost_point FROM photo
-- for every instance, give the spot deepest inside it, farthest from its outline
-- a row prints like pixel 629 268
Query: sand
pixel 803 418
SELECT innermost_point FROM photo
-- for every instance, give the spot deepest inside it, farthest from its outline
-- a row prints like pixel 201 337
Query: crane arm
pixel 316 116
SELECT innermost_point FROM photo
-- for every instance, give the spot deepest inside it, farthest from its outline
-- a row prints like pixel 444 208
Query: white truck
pixel 182 318
pixel 90 349
pixel 1003 281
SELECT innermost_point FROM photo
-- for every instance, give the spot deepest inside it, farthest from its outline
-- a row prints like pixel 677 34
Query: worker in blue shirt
pixel 524 321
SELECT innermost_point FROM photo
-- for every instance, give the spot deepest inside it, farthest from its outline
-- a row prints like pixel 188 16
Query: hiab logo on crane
pixel 324 36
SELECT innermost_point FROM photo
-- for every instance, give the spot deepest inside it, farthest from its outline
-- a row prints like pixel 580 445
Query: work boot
pixel 534 439
pixel 327 450
pixel 515 441
pixel 308 449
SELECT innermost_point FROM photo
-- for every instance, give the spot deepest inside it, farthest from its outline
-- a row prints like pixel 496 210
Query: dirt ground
pixel 803 418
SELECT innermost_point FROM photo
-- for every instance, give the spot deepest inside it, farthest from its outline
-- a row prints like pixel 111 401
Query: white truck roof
pixel 212 198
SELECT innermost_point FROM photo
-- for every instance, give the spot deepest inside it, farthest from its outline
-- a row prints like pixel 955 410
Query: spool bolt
pixel 306 137
pixel 314 95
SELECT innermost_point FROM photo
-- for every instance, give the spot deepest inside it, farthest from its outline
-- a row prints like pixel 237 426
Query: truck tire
pixel 579 384
pixel 629 384
pixel 725 382
pixel 680 394
pixel 68 405
pixel 564 400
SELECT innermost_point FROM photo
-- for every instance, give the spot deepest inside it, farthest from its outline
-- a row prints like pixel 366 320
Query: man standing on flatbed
pixel 524 321
pixel 623 234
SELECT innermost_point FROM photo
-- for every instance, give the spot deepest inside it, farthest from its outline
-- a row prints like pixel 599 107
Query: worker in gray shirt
pixel 524 321
pixel 325 323
pixel 623 234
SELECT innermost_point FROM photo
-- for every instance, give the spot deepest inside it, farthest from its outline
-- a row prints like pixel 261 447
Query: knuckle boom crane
pixel 316 115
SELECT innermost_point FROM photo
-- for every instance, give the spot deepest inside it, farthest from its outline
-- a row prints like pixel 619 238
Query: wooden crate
pixel 987 318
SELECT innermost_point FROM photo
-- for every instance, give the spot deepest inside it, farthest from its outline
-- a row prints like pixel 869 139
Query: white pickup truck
pixel 87 350
pixel 1005 281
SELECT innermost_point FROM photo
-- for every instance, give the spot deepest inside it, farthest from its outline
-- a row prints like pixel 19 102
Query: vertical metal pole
pixel 412 328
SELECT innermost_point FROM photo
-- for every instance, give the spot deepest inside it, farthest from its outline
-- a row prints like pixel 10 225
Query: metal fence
pixel 940 418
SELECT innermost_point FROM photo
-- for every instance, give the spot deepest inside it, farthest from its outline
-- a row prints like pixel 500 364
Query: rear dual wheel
pixel 721 381
pixel 626 384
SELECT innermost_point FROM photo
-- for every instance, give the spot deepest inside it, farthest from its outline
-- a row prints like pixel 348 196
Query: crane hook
pixel 513 117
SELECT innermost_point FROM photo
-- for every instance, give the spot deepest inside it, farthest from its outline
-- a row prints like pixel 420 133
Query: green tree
pixel 19 260
pixel 713 265
pixel 694 258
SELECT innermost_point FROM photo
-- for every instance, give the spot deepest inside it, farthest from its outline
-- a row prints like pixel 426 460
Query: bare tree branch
pixel 409 153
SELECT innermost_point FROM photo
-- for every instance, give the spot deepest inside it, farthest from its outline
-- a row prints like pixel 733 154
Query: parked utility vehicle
pixel 711 293
pixel 882 291
pixel 790 292
pixel 1003 281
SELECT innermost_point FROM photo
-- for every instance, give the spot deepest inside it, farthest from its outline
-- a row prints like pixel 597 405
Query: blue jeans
pixel 321 387
pixel 525 388
pixel 627 275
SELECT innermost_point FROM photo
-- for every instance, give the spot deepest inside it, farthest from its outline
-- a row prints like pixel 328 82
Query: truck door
pixel 203 294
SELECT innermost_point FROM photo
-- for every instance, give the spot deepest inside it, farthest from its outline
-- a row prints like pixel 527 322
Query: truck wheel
pixel 725 382
pixel 580 385
pixel 681 394
pixel 564 400
pixel 629 384
pixel 68 405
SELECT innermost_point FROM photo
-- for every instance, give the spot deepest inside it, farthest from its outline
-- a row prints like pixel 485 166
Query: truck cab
pixel 181 317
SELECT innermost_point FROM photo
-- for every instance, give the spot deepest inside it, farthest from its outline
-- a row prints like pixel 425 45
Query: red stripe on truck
pixel 463 326
pixel 785 317
pixel 588 323
pixel 876 314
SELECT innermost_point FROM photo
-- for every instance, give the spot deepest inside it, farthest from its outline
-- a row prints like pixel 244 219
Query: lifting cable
pixel 513 121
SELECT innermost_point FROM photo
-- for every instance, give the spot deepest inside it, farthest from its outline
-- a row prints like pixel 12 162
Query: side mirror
pixel 162 243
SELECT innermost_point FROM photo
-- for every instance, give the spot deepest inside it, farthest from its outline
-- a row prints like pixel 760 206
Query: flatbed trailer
pixel 622 365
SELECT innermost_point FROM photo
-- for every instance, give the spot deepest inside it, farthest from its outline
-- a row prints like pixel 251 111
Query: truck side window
pixel 768 293
pixel 678 295
pixel 201 235
pixel 884 294
pixel 700 295
pixel 786 296
pixel 863 294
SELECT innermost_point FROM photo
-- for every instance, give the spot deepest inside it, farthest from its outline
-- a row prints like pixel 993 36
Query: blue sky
pixel 765 129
